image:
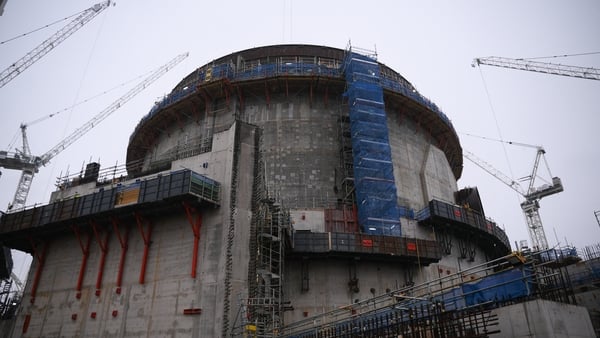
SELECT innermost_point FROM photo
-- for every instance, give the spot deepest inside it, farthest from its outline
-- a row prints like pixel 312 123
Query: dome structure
pixel 268 186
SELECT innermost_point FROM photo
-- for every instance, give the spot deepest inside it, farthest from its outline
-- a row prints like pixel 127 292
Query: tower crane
pixel 29 164
pixel 62 34
pixel 540 67
pixel 532 194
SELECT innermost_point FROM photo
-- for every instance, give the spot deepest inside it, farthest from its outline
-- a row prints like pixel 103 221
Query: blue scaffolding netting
pixel 375 188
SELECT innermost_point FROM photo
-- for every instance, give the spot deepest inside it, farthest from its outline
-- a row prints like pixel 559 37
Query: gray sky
pixel 431 43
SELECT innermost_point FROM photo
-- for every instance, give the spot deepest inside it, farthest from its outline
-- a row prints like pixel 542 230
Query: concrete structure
pixel 542 318
pixel 240 210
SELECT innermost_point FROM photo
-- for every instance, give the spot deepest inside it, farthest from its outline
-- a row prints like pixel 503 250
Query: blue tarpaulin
pixel 376 195
pixel 503 286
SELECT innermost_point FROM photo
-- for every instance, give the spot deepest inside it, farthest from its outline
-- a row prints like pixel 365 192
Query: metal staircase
pixel 266 305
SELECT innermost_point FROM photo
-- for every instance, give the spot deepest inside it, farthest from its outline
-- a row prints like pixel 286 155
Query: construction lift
pixel 42 49
pixel 29 164
pixel 532 194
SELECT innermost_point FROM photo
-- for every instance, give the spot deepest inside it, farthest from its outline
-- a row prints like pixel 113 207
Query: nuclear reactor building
pixel 270 186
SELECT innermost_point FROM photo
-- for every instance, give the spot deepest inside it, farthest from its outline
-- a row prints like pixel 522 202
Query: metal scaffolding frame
pixel 266 305
pixel 345 178
pixel 453 305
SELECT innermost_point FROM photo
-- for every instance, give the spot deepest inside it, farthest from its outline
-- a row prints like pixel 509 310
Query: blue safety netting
pixel 501 287
pixel 376 195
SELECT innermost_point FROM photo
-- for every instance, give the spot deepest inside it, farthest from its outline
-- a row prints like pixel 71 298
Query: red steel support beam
pixel 310 102
pixel 196 224
pixel 195 112
pixel 267 95
pixel 178 118
pixel 146 237
pixel 240 98
pixel 227 91
pixel 123 240
pixel 207 100
pixel 85 249
pixel 287 89
pixel 41 257
pixel 103 243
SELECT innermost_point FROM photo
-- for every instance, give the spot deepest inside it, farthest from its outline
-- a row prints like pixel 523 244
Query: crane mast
pixel 29 164
pixel 540 67
pixel 62 34
pixel 532 196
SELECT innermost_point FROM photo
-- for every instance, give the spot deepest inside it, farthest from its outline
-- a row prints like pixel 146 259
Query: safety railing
pixel 156 189
pixel 211 73
pixel 401 248
pixel 437 209
pixel 455 296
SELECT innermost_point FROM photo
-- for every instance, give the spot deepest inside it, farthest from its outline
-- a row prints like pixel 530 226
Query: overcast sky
pixel 431 43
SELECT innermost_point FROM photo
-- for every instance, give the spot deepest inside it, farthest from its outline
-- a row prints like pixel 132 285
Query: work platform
pixel 390 248
pixel 469 223
pixel 148 197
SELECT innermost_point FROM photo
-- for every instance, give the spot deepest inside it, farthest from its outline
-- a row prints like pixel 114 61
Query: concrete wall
pixel 328 283
pixel 154 308
pixel 313 220
pixel 300 148
pixel 329 277
pixel 301 152
pixel 542 318
pixel 591 301
pixel 421 170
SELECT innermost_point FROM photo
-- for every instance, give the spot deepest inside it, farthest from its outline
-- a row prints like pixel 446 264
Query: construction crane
pixel 29 164
pixel 540 67
pixel 61 35
pixel 532 194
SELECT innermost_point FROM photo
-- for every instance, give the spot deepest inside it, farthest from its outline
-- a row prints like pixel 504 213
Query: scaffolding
pixel 261 311
pixel 266 305
pixel 345 179
pixel 10 299
pixel 374 184
pixel 453 305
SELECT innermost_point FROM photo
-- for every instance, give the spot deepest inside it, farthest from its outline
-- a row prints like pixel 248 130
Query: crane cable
pixel 559 56
pixel 502 141
pixel 516 144
pixel 497 125
pixel 84 75
pixel 43 118
pixel 40 28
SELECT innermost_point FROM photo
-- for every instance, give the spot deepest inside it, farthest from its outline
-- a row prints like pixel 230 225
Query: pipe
pixel 146 237
pixel 196 244
pixel 196 230
pixel 38 270
pixel 103 249
pixel 85 249
pixel 144 262
pixel 123 240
